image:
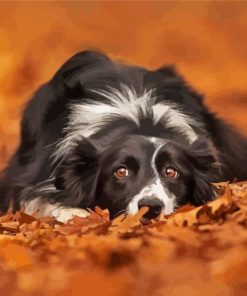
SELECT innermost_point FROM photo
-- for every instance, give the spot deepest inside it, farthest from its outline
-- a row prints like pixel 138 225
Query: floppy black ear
pixel 185 93
pixel 204 155
pixel 206 170
pixel 203 190
pixel 77 175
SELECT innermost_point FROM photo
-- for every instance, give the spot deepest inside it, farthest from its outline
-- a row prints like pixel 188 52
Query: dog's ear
pixel 203 190
pixel 177 86
pixel 77 175
pixel 206 170
pixel 205 156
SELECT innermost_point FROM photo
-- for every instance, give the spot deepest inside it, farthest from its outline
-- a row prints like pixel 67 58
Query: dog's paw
pixel 43 208
pixel 64 214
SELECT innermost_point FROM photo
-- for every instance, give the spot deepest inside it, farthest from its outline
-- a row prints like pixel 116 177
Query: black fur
pixel 84 177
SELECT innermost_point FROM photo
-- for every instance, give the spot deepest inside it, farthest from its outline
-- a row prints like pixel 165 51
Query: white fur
pixel 154 190
pixel 87 118
pixel 174 118
pixel 44 208
pixel 157 143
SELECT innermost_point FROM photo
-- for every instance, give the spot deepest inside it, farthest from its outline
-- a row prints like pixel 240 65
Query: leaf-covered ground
pixel 197 251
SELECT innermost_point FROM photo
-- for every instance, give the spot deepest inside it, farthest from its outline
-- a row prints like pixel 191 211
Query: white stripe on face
pixel 154 190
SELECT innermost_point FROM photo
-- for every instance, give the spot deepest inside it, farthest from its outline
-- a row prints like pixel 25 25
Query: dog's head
pixel 137 171
pixel 140 137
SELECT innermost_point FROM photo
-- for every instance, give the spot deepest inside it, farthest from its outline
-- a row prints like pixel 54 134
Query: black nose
pixel 155 207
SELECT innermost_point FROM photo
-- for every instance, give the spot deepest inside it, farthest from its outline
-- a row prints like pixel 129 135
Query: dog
pixel 103 133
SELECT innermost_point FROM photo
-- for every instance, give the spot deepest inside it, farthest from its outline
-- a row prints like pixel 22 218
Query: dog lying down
pixel 103 133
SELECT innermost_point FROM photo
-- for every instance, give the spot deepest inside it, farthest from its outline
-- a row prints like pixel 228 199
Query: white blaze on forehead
pixel 88 118
pixel 153 140
pixel 154 190
pixel 157 142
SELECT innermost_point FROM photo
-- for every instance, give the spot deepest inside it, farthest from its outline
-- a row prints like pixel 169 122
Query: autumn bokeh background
pixel 205 40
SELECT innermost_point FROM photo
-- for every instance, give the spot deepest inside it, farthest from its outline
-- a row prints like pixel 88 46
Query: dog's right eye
pixel 121 172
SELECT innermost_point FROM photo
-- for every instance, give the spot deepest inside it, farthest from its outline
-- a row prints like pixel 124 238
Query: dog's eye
pixel 121 172
pixel 169 172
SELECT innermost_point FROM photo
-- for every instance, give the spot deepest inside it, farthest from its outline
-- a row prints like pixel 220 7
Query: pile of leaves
pixel 197 251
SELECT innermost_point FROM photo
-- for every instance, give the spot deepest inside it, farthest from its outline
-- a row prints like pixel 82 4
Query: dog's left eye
pixel 121 172
pixel 169 172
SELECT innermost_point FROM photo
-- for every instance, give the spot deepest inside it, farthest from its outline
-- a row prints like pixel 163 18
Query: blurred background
pixel 206 40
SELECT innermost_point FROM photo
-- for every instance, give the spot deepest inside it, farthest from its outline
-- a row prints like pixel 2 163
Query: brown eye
pixel 121 172
pixel 169 172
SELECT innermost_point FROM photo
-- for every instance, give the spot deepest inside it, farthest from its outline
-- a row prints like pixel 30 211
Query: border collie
pixel 102 133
